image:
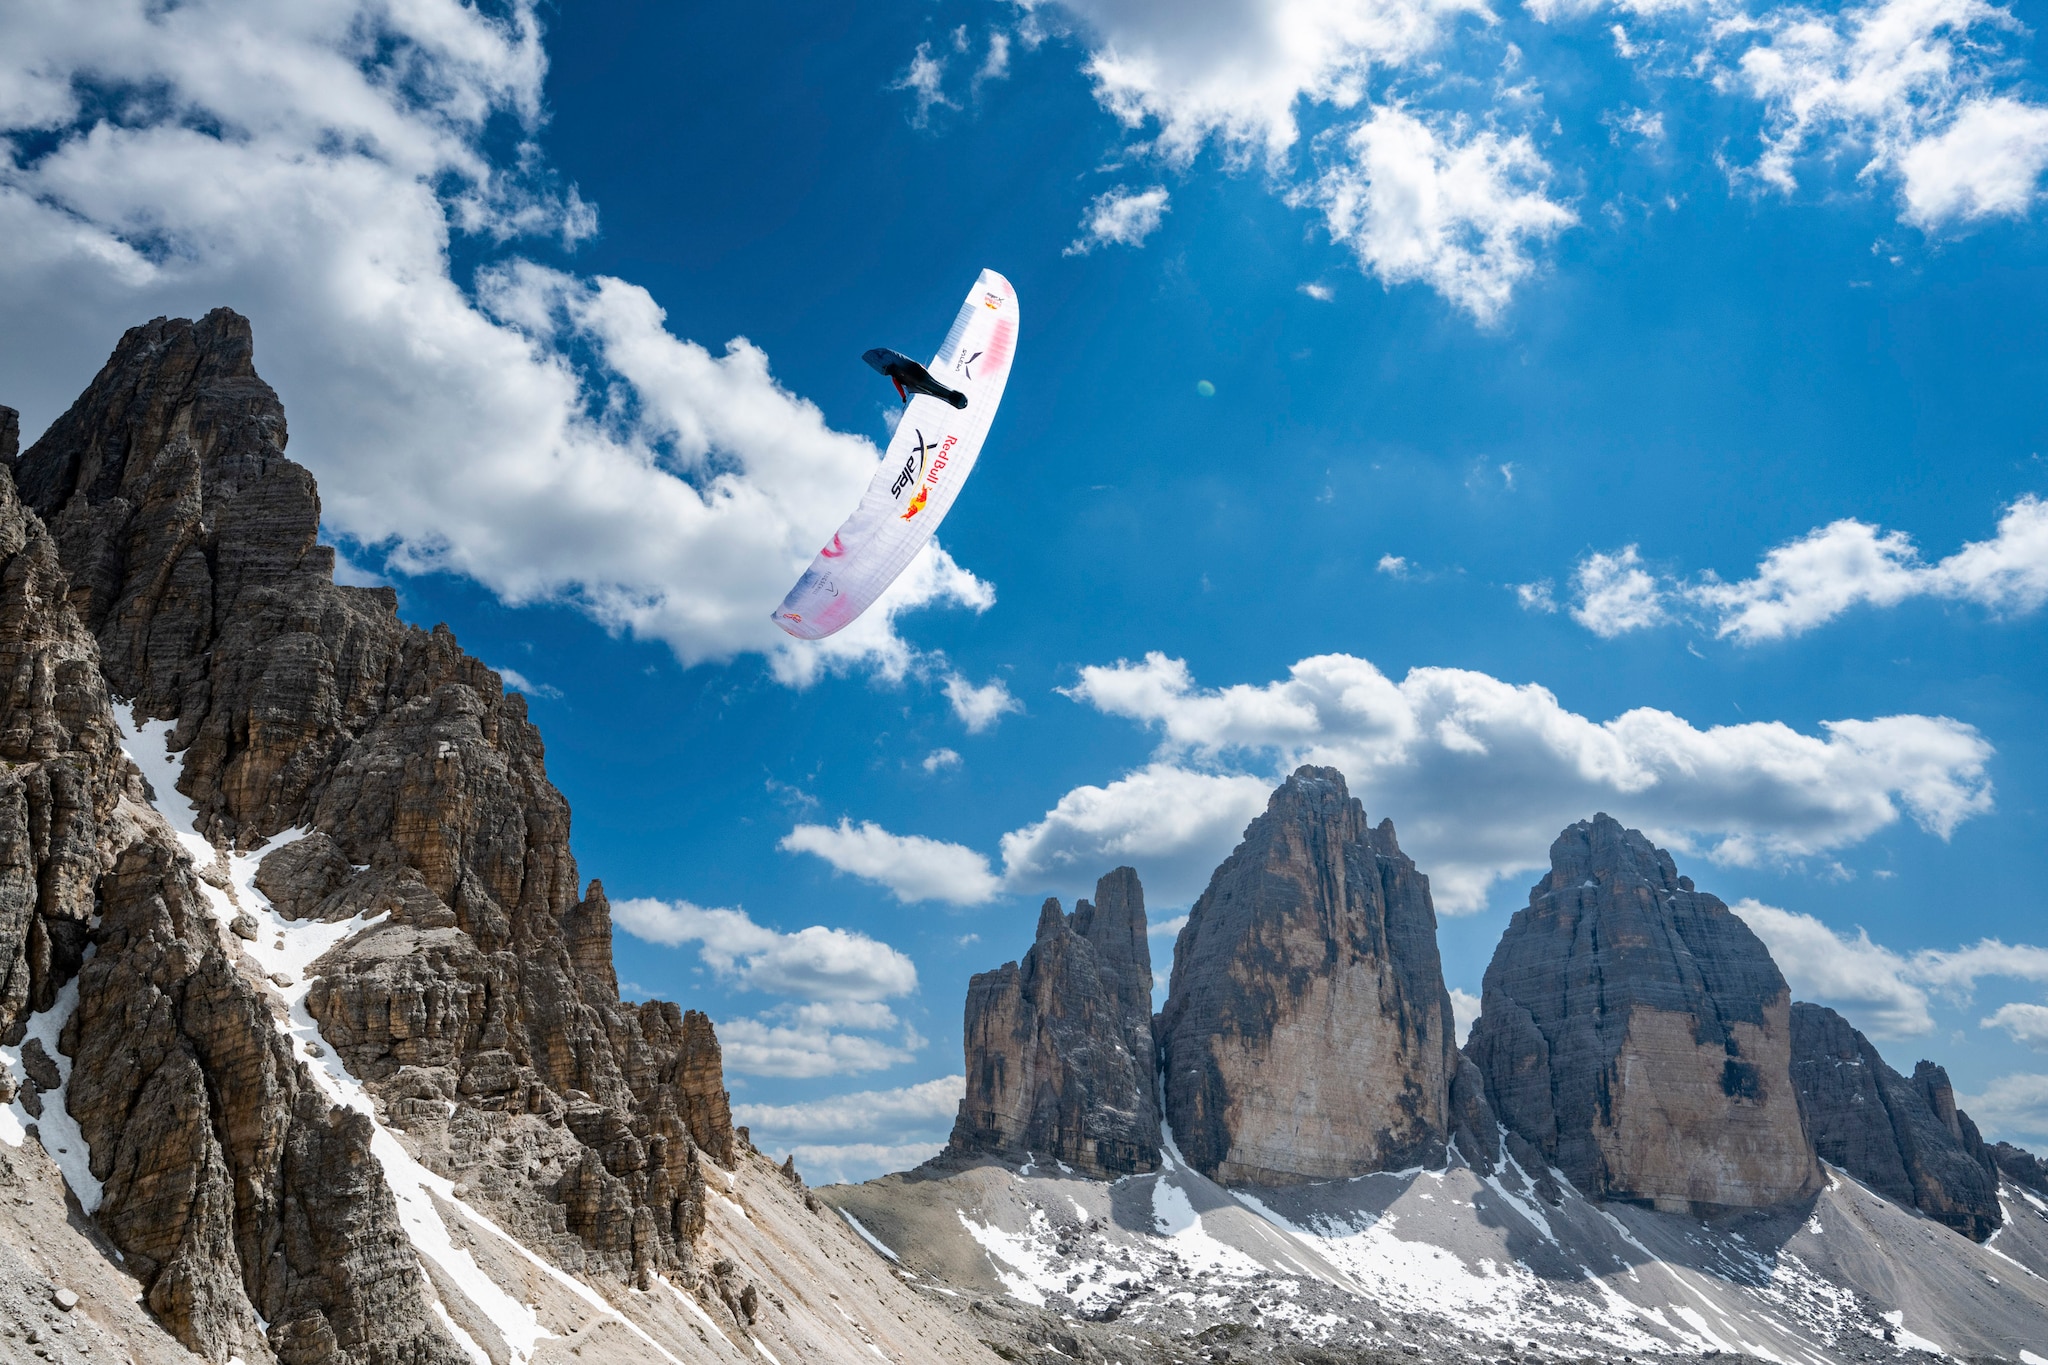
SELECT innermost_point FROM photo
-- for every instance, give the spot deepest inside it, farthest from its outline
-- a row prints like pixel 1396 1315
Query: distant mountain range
pixel 311 1048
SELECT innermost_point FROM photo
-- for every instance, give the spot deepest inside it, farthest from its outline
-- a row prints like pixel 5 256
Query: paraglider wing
pixel 934 450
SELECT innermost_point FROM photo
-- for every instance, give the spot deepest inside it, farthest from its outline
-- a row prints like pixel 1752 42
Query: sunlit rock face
pixel 1904 1138
pixel 1307 1033
pixel 1059 1046
pixel 1639 1035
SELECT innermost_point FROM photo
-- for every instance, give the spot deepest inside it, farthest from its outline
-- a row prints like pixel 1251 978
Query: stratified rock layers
pixel 181 568
pixel 1307 1033
pixel 1059 1047
pixel 1904 1138
pixel 1639 1035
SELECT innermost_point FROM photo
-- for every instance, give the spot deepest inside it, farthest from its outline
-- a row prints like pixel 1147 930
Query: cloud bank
pixel 1480 774
pixel 316 164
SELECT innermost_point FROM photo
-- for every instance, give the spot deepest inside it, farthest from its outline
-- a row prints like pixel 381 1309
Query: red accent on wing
pixel 998 353
pixel 834 550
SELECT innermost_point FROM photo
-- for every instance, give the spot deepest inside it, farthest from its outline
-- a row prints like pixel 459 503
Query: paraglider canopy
pixel 937 441
pixel 910 377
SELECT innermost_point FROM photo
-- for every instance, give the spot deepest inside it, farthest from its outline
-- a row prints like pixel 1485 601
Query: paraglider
pixel 934 449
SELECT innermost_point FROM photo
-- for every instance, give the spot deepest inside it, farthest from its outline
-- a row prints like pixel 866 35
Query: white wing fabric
pixel 932 454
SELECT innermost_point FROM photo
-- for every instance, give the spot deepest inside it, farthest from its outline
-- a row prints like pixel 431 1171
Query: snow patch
pixel 59 1132
pixel 869 1237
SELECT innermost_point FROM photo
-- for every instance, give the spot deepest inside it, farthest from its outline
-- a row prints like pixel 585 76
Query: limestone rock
pixel 1059 1047
pixel 2021 1166
pixel 1638 1035
pixel 1307 1033
pixel 182 566
pixel 1904 1138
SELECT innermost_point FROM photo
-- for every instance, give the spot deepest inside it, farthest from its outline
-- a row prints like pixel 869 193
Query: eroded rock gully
pixel 163 549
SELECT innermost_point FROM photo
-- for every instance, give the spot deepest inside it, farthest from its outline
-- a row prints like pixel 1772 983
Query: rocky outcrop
pixel 1904 1138
pixel 1059 1047
pixel 2021 1166
pixel 1638 1035
pixel 1307 1033
pixel 180 568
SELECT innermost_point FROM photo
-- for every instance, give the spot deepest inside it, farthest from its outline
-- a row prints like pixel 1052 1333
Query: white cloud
pixel 2012 1109
pixel 1988 163
pixel 317 164
pixel 763 1046
pixel 1464 1009
pixel 925 79
pixel 1459 210
pixel 1479 775
pixel 1120 217
pixel 850 1162
pixel 912 866
pixel 817 963
pixel 1956 973
pixel 1537 596
pixel 928 1104
pixel 995 66
pixel 1864 980
pixel 1393 566
pixel 980 708
pixel 1321 293
pixel 1236 71
pixel 2026 1023
pixel 938 760
pixel 1166 928
pixel 519 682
pixel 1171 823
pixel 1615 594
pixel 1806 583
pixel 1904 86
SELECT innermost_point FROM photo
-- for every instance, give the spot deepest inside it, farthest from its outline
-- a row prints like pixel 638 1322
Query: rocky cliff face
pixel 1059 1047
pixel 1639 1035
pixel 180 569
pixel 1307 1033
pixel 1904 1138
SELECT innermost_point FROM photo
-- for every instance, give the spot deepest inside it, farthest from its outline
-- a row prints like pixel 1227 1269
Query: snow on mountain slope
pixel 1446 1264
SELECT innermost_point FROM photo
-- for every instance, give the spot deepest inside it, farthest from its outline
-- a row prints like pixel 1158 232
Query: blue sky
pixel 1614 407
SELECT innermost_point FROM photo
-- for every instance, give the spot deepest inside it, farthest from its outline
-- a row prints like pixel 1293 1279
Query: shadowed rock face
pixel 1307 1033
pixel 1904 1138
pixel 1639 1035
pixel 181 568
pixel 1059 1047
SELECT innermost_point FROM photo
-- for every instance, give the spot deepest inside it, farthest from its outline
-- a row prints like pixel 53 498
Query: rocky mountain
pixel 1904 1138
pixel 297 988
pixel 1059 1050
pixel 1638 1036
pixel 1307 1033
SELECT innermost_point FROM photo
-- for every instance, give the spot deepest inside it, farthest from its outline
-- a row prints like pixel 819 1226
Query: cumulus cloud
pixel 1904 86
pixel 1864 980
pixel 2012 1109
pixel 816 963
pixel 1480 774
pixel 913 867
pixel 1806 583
pixel 939 760
pixel 1464 1009
pixel 2028 1024
pixel 1236 71
pixel 980 708
pixel 543 434
pixel 1889 993
pixel 799 1050
pixel 1458 209
pixel 870 1113
pixel 1614 594
pixel 1393 566
pixel 1120 217
pixel 849 1162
